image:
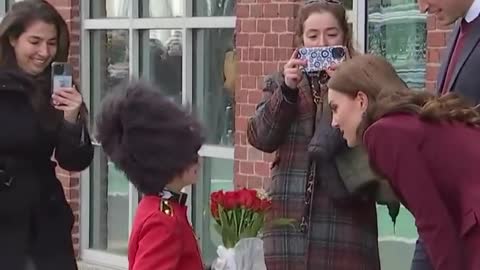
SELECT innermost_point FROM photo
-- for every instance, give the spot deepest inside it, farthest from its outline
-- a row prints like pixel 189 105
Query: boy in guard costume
pixel 155 143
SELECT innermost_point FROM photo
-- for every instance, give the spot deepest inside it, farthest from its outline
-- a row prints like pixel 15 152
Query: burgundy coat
pixel 434 168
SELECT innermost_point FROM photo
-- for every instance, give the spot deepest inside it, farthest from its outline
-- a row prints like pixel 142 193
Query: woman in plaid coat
pixel 339 234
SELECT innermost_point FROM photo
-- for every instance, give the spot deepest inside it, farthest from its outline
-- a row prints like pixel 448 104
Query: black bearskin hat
pixel 147 136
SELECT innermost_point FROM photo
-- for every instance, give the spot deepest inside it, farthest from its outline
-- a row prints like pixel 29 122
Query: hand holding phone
pixel 64 95
pixel 292 70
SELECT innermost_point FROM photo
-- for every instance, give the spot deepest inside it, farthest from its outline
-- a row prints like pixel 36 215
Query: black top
pixel 35 218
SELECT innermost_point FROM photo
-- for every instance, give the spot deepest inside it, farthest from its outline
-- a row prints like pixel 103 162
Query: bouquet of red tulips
pixel 239 214
pixel 239 218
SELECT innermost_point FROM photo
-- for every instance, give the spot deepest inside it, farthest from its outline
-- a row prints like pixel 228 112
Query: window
pixel 189 55
pixel 397 31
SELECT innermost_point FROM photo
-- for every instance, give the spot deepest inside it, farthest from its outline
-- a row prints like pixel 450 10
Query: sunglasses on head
pixel 338 2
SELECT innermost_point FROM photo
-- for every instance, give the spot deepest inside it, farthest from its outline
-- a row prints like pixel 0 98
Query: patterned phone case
pixel 320 58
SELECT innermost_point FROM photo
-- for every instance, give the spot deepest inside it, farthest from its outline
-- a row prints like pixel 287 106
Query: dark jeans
pixel 420 258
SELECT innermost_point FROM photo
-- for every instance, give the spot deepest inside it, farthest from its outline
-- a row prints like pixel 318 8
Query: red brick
pixel 243 136
pixel 432 72
pixel 431 22
pixel 240 153
pixel 248 82
pixel 270 10
pixel 286 40
pixel 436 39
pixel 269 68
pixel 256 68
pixel 288 10
pixel 279 25
pixel 247 110
pixel 256 10
pixel 280 54
pixel 240 181
pixel 264 26
pixel 291 25
pixel 270 54
pixel 255 96
pixel 242 10
pixel 242 68
pixel 249 25
pixel 240 123
pixel 254 54
pixel 242 95
pixel 246 167
pixel 255 40
pixel 271 40
pixel 242 40
pixel 254 182
pixel 262 169
pixel 434 55
pixel 254 154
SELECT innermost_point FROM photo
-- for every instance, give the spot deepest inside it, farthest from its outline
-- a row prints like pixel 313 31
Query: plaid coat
pixel 341 237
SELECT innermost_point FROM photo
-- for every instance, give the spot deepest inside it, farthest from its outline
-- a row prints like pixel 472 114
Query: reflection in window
pixel 161 8
pixel 214 7
pixel 161 60
pixel 109 8
pixel 109 195
pixel 214 65
pixel 397 31
pixel 216 175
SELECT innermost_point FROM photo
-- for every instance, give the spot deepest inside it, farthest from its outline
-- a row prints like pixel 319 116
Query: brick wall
pixel 70 10
pixel 265 41
pixel 437 37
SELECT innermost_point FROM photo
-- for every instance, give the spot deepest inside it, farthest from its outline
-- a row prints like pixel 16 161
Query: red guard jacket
pixel 162 238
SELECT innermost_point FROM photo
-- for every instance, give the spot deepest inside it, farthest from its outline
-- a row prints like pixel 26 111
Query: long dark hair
pixel 16 21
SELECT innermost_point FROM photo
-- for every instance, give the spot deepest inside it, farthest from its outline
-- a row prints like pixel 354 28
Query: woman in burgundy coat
pixel 427 146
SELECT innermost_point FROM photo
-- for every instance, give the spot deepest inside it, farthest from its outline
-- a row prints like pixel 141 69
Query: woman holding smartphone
pixel 337 232
pixel 38 123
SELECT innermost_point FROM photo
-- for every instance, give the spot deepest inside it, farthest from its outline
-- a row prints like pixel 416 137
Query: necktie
pixel 455 56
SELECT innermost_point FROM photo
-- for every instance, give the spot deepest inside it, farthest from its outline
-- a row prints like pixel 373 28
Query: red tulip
pixel 216 199
pixel 231 200
pixel 247 198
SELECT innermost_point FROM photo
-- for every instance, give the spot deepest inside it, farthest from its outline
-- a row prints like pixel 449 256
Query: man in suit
pixel 461 61
pixel 459 68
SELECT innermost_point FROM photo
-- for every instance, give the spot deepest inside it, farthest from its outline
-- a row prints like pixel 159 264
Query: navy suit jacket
pixel 465 80
pixel 435 170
